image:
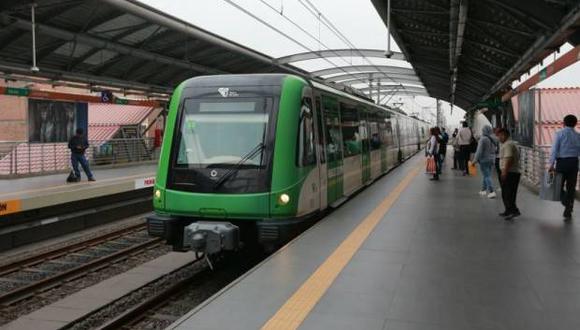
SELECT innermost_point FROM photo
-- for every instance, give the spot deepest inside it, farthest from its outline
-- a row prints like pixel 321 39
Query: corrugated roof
pixel 102 133
pixel 557 103
pixel 104 114
pixel 545 135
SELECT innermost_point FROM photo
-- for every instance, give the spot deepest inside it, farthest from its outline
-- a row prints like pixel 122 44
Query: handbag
pixel 472 169
pixel 430 166
pixel 551 187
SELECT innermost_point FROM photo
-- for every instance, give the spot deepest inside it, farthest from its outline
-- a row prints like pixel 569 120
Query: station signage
pixel 144 182
pixel 106 96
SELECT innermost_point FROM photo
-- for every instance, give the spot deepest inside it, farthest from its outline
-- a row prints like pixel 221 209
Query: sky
pixel 357 20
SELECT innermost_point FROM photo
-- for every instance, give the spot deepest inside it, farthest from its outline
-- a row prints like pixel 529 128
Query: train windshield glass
pixel 215 132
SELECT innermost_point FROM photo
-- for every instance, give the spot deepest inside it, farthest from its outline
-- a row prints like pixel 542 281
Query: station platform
pixel 411 254
pixel 25 194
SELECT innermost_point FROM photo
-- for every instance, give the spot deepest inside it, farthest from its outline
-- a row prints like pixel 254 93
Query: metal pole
pixel 540 133
pixel 379 91
pixel 29 160
pixel 389 52
pixel 438 113
pixel 34 68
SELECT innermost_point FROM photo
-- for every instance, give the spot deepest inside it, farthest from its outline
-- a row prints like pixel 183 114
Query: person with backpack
pixel 485 156
pixel 564 160
pixel 78 144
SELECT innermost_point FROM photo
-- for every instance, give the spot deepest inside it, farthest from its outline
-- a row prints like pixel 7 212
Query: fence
pixel 24 158
pixel 534 162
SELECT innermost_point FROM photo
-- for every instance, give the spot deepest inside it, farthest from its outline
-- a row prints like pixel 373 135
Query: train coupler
pixel 211 238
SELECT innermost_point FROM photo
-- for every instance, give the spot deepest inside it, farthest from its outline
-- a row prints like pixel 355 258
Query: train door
pixel 321 153
pixel 307 156
pixel 400 137
pixel 333 149
pixel 384 139
pixel 364 136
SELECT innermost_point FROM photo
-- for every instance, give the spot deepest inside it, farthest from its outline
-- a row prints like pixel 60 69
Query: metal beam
pixel 10 67
pixel 398 92
pixel 364 68
pixel 391 88
pixel 330 53
pixel 537 49
pixel 112 46
pixel 343 78
pixel 154 15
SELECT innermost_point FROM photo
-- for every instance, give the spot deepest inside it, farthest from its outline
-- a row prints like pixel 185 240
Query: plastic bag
pixel 430 166
pixel 551 187
pixel 472 169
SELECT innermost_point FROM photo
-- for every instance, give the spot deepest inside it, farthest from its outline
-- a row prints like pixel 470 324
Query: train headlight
pixel 284 199
pixel 157 193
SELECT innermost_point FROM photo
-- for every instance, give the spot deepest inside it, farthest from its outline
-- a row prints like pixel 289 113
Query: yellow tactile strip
pixel 296 309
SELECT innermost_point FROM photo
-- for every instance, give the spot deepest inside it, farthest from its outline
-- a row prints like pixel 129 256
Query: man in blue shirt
pixel 564 160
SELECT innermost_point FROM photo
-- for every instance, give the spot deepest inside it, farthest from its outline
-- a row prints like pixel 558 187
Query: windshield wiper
pixel 251 154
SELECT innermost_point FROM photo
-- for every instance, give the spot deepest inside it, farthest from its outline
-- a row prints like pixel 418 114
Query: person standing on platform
pixel 444 140
pixel 78 144
pixel 464 140
pixel 564 160
pixel 509 158
pixel 433 151
pixel 485 156
pixel 455 145
pixel 497 168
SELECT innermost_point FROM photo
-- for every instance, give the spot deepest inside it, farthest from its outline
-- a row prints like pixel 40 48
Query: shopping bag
pixel 472 169
pixel 430 165
pixel 551 187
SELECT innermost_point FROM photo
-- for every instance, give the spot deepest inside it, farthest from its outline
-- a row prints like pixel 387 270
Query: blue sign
pixel 106 96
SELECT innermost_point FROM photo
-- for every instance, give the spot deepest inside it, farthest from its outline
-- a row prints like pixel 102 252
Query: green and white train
pixel 249 158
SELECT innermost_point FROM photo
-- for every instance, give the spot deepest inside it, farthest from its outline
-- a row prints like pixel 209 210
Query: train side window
pixel 306 149
pixel 375 136
pixel 320 128
pixel 351 136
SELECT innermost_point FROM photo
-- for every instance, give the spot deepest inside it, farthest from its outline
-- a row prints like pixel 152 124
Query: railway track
pixel 160 303
pixel 29 276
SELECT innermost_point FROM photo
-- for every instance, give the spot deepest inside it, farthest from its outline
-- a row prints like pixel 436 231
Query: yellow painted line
pixel 79 185
pixel 296 309
pixel 10 206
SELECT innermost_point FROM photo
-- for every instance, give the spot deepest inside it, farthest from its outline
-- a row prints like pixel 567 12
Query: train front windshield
pixel 223 145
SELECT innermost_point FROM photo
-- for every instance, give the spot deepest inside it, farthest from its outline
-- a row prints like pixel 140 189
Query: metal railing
pixel 534 162
pixel 25 158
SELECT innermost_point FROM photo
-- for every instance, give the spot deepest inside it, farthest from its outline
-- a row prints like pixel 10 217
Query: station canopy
pixel 466 51
pixel 120 43
pixel 129 45
pixel 395 76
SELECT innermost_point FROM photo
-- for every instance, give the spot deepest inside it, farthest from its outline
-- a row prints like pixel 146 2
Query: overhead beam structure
pixel 353 78
pixel 117 43
pixel 467 51
pixel 332 53
pixel 388 69
pixel 395 88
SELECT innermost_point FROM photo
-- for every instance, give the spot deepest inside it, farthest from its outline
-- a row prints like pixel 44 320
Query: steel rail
pixel 26 290
pixel 36 259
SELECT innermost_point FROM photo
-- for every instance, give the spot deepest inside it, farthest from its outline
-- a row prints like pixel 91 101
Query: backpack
pixel 72 177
